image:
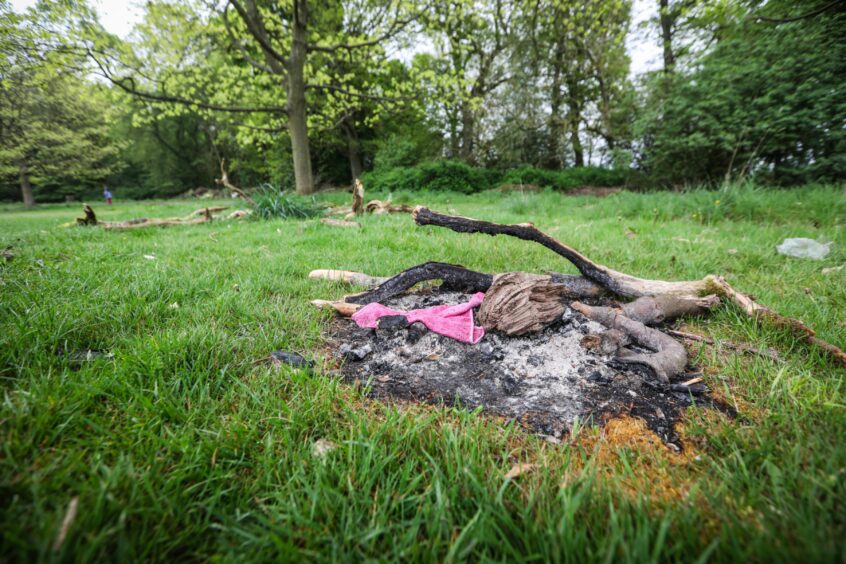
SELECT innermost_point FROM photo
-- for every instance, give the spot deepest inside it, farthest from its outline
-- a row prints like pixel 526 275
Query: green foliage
pixel 545 84
pixel 768 101
pixel 437 176
pixel 397 151
pixel 566 179
pixel 269 202
pixel 54 135
pixel 456 176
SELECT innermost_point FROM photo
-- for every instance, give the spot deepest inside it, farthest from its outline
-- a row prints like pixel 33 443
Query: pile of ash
pixel 545 381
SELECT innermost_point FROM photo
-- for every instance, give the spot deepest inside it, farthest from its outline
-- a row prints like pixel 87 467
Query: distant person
pixel 107 195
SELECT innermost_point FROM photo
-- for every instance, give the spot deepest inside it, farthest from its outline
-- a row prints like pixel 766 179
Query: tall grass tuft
pixel 269 202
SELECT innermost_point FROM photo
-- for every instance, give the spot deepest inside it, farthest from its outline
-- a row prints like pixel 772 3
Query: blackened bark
pixel 454 277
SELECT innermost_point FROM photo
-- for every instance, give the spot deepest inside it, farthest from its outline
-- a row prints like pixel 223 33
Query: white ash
pixel 542 377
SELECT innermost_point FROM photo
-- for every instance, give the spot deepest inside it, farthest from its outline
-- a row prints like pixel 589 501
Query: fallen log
pixel 518 303
pixel 202 215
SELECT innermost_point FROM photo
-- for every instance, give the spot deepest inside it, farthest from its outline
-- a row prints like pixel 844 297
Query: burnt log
pixel 518 303
pixel 669 358
pixel 454 277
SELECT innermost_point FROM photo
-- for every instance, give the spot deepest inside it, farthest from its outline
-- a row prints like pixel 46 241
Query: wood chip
pixel 341 307
pixel 339 223
pixel 70 516
pixel 322 447
pixel 519 469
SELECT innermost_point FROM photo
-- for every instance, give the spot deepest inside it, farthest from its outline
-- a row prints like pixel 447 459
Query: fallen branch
pixel 616 282
pixel 378 207
pixel 224 181
pixel 669 358
pixel 628 286
pixel 339 306
pixel 454 277
pixel 202 215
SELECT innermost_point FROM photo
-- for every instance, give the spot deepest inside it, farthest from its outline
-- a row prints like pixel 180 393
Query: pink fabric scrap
pixel 455 321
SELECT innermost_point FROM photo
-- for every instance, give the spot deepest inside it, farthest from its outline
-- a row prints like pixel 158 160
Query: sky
pixel 119 17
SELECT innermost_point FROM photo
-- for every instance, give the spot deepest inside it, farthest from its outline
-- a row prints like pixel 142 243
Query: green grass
pixel 180 447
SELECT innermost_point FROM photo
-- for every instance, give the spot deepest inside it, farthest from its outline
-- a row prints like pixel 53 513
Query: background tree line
pixel 459 94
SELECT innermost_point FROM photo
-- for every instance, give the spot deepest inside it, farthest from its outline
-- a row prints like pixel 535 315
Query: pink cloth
pixel 455 321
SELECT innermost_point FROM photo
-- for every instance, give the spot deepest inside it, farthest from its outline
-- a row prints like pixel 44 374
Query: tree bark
pixel 666 18
pixel 468 133
pixel 574 119
pixel 26 186
pixel 556 124
pixel 297 119
pixel 353 150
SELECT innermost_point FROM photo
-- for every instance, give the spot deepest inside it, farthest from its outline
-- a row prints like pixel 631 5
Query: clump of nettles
pixel 270 202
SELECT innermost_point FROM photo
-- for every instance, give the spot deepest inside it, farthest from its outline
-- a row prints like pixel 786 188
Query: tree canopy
pixel 302 94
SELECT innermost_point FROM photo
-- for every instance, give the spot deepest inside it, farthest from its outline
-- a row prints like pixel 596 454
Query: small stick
pixel 342 307
pixel 70 516
pixel 347 276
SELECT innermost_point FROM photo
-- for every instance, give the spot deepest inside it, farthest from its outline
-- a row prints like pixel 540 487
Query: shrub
pixel 437 176
pixel 456 176
pixel 398 151
pixel 566 179
pixel 271 202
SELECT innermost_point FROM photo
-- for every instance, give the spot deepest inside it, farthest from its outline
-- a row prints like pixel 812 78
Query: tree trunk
pixel 468 133
pixel 556 124
pixel 353 151
pixel 666 19
pixel 574 119
pixel 26 186
pixel 297 119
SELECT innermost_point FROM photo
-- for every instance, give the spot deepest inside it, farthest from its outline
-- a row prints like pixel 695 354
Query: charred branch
pixel 669 357
pixel 453 276
pixel 616 282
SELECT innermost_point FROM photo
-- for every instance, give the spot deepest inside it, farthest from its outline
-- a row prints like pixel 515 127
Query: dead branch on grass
pixel 525 302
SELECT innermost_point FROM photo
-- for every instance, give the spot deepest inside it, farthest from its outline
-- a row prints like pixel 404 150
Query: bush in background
pixel 437 176
pixel 456 176
pixel 566 179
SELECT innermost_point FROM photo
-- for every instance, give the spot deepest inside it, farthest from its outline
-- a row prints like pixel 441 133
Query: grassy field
pixel 179 446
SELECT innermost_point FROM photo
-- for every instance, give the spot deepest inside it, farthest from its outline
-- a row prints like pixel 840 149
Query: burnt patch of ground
pixel 546 381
